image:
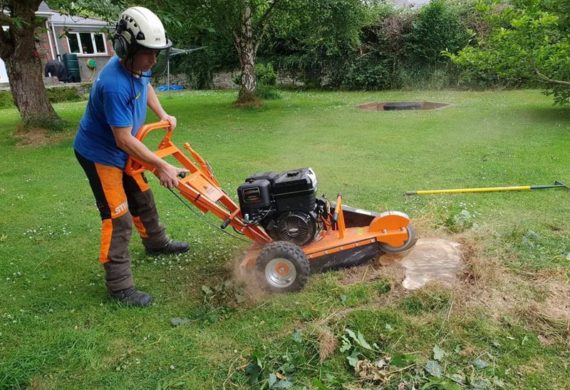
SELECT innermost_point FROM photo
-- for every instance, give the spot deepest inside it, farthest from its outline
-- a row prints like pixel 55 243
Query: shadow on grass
pixel 551 114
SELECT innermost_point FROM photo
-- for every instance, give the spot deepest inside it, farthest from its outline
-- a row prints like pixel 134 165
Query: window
pixel 87 43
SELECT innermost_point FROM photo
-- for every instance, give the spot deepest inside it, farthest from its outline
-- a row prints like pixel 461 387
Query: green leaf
pixel 353 359
pixel 480 384
pixel 317 384
pixel 359 339
pixel 433 368
pixel 457 378
pixel 272 380
pixel 441 384
pixel 297 336
pixel 402 360
pixel 179 321
pixel 252 372
pixel 438 353
pixel 499 383
pixel 207 290
pixel 283 384
pixel 346 344
pixel 480 363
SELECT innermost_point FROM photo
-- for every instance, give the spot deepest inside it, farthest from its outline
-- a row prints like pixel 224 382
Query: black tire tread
pixel 289 251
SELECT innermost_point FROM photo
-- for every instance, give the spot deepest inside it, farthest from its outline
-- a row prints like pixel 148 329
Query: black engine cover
pixel 254 197
pixel 295 190
pixel 283 203
pixel 294 226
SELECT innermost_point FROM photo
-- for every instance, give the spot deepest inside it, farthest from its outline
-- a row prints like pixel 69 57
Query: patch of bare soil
pixel 36 137
pixel 327 343
pixel 479 281
pixel 430 260
pixel 557 304
pixel 392 106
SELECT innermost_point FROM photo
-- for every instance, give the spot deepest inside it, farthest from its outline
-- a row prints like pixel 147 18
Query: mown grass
pixel 505 326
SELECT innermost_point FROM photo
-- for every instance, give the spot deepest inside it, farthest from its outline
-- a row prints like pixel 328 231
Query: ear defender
pixel 122 39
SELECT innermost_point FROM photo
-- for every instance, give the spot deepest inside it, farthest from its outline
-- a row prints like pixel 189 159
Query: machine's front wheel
pixel 282 267
pixel 410 242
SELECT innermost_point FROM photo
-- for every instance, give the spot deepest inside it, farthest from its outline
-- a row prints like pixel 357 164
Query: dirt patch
pixel 557 304
pixel 36 137
pixel 327 343
pixel 394 106
pixel 430 260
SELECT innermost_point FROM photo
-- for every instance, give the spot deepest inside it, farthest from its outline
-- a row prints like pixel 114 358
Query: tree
pixel 246 21
pixel 437 29
pixel 18 50
pixel 529 44
pixel 319 39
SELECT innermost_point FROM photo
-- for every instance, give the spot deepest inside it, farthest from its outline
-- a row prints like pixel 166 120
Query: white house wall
pixel 3 73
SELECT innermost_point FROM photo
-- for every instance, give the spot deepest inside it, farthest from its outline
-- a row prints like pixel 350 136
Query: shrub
pixel 369 74
pixel 55 95
pixel 436 30
pixel 64 94
pixel 265 74
pixel 6 100
pixel 267 92
pixel 428 77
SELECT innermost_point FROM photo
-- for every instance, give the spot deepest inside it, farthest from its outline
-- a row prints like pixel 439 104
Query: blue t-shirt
pixel 118 99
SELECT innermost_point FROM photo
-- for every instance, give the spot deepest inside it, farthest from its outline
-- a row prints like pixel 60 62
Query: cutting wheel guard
pixel 346 229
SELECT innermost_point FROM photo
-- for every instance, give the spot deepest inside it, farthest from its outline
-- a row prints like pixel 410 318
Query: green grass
pixel 58 329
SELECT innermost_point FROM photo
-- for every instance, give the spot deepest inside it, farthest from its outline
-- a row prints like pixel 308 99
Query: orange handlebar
pixel 143 132
pixel 133 166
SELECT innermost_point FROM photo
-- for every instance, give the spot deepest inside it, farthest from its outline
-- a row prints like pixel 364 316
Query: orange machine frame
pixel 203 190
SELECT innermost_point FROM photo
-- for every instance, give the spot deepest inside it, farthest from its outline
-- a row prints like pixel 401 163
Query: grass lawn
pixel 506 325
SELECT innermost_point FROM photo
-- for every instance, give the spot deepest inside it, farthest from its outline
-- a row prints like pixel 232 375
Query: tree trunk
pixel 29 92
pixel 247 50
pixel 24 67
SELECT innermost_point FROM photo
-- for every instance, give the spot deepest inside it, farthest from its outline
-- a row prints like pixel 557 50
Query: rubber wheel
pixel 282 267
pixel 410 242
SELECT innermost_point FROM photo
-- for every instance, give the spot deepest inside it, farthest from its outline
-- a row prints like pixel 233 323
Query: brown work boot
pixel 172 247
pixel 132 297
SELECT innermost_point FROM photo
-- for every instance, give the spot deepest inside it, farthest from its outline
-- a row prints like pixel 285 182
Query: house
pixel 85 37
pixel 410 3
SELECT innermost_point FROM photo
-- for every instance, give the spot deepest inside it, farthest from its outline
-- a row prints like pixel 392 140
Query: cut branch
pixel 546 78
pixel 6 20
pixel 265 16
pixel 263 23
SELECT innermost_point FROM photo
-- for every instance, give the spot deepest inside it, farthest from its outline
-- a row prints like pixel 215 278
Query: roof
pixel 410 3
pixel 44 9
pixel 58 19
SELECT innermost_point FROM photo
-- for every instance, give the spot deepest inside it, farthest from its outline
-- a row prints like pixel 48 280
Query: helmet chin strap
pixel 131 59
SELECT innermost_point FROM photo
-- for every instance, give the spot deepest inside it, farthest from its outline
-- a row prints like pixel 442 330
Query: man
pixel 106 138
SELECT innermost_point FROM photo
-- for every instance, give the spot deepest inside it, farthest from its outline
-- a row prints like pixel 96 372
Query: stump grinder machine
pixel 293 232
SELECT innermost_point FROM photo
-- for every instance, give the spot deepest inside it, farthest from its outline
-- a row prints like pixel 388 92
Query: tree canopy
pixel 529 43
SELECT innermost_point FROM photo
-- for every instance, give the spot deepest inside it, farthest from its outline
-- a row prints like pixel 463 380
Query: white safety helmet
pixel 139 26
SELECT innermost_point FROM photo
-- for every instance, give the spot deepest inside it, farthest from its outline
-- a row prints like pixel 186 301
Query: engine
pixel 284 204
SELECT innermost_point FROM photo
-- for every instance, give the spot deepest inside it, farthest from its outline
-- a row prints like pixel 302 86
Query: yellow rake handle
pixel 556 184
pixel 466 190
